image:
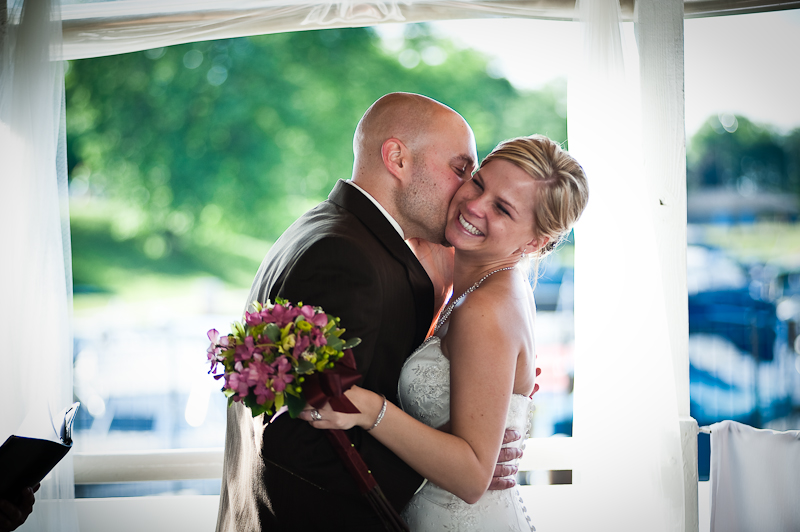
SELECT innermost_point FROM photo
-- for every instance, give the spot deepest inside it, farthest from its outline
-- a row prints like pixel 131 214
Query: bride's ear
pixel 536 244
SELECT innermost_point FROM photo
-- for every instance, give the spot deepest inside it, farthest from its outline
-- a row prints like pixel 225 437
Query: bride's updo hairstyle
pixel 562 191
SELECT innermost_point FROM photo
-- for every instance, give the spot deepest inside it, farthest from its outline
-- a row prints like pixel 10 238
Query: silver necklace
pixel 449 308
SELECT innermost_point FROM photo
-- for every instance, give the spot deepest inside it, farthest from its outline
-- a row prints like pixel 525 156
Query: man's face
pixel 446 159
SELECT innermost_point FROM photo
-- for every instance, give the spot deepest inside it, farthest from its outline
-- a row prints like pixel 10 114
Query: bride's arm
pixel 483 360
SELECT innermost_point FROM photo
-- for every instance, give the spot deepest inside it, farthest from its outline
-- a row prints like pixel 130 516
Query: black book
pixel 24 461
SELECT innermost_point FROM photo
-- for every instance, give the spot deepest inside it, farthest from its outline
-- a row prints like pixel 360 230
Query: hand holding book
pixel 25 461
pixel 14 511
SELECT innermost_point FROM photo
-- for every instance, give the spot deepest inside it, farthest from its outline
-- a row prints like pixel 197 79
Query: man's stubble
pixel 423 206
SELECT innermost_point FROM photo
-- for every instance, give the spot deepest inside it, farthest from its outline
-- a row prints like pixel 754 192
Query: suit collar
pixel 380 207
pixel 362 208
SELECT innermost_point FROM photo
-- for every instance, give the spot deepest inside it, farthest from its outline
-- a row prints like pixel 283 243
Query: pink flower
pixel 253 318
pixel 234 381
pixel 214 349
pixel 281 315
pixel 301 345
pixel 245 351
pixel 320 319
pixel 266 316
pixel 307 312
pixel 318 339
pixel 263 393
pixel 282 367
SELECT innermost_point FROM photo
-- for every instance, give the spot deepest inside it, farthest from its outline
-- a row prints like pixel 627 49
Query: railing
pixel 190 464
pixel 198 513
pixel 143 466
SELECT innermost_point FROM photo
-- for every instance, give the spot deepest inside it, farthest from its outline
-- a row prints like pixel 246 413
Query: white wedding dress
pixel 424 393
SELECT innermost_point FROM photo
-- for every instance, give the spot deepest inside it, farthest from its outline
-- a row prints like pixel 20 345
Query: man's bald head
pixel 411 154
pixel 407 117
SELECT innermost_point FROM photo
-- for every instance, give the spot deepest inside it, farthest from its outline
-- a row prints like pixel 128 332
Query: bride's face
pixel 493 212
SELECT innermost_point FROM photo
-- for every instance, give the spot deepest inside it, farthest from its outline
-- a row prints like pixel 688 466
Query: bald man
pixel 348 256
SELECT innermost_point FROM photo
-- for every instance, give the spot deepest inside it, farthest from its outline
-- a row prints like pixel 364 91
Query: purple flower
pixel 301 345
pixel 214 349
pixel 245 351
pixel 320 319
pixel 263 393
pixel 318 339
pixel 236 382
pixel 282 367
pixel 266 316
pixel 307 312
pixel 253 318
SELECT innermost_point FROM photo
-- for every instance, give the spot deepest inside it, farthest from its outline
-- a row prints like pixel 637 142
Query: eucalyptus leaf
pixel 335 343
pixel 351 343
pixel 273 332
pixel 304 366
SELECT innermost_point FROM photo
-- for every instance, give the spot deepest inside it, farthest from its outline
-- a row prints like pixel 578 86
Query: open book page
pixel 41 423
pixel 28 456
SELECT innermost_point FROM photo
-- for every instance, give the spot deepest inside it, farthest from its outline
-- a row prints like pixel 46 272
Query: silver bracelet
pixel 380 414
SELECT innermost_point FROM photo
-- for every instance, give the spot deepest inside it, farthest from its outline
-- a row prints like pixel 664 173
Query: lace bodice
pixel 424 393
pixel 424 390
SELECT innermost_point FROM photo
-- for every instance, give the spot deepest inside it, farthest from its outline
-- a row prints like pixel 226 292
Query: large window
pixel 187 162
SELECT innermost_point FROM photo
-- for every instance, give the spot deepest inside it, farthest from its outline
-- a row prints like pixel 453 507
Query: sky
pixel 745 65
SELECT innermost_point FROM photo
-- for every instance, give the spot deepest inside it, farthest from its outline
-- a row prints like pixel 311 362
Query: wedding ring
pixel 315 415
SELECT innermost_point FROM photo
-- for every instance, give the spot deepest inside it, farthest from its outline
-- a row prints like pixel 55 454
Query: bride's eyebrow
pixel 504 201
pixel 507 204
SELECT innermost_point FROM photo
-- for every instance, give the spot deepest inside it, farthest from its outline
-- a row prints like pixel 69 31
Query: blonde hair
pixel 562 191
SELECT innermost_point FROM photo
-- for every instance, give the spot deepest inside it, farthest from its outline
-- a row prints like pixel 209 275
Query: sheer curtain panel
pixel 35 276
pixel 629 466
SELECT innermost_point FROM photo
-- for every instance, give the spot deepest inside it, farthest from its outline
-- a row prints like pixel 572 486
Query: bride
pixel 474 377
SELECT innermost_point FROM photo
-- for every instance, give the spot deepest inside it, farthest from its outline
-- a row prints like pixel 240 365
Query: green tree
pixel 243 135
pixel 738 154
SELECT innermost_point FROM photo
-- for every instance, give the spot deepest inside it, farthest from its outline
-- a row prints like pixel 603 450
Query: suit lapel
pixel 347 197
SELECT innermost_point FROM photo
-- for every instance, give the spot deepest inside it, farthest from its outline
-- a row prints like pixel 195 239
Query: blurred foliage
pixel 194 143
pixel 733 152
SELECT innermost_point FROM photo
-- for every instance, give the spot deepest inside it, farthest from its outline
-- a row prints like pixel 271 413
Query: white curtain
pixel 105 28
pixel 35 276
pixel 629 470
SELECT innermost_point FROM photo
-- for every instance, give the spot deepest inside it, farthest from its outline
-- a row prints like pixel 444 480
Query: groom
pixel 348 256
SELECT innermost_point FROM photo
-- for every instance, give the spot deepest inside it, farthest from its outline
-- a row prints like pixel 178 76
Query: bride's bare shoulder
pixel 496 303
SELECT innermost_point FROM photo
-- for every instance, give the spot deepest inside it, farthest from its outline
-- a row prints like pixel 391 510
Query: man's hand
pixel 504 473
pixel 438 263
pixel 14 513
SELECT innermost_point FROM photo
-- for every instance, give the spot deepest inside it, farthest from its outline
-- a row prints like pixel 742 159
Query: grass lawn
pixel 139 267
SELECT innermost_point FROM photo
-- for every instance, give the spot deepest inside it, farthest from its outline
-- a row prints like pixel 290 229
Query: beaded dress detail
pixel 424 393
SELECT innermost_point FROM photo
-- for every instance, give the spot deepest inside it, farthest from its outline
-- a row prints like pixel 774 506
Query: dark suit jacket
pixel 346 257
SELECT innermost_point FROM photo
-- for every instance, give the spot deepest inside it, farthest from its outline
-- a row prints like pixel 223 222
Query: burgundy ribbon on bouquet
pixel 329 386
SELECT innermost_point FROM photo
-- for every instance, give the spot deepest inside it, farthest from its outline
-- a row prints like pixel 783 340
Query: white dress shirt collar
pixel 380 208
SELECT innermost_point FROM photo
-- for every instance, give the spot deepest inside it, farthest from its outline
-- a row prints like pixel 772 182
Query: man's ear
pixel 396 158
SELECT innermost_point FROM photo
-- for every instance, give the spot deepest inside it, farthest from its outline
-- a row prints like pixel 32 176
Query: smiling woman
pixel 95 29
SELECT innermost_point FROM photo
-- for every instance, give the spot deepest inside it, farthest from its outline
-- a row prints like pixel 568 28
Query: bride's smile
pixel 493 212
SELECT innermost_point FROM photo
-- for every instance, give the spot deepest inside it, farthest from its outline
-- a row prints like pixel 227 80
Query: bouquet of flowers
pixel 282 356
pixel 285 356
